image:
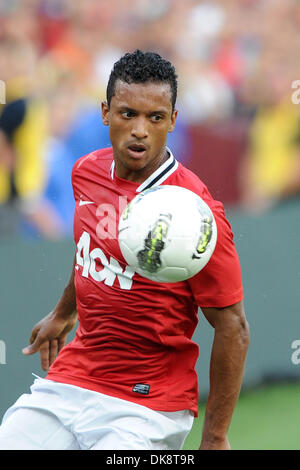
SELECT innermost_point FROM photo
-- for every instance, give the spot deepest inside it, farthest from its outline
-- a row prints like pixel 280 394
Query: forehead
pixel 152 95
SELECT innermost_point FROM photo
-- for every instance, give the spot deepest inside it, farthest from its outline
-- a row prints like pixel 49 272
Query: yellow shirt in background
pixel 273 152
pixel 28 141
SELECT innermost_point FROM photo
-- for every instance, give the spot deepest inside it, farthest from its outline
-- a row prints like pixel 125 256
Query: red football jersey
pixel 134 339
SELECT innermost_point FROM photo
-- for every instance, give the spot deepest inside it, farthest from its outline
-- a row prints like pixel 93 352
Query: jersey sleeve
pixel 74 180
pixel 219 284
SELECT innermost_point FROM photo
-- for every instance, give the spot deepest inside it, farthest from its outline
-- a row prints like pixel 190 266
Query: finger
pixel 61 342
pixel 53 351
pixel 34 346
pixel 28 349
pixel 34 333
pixel 33 336
pixel 44 353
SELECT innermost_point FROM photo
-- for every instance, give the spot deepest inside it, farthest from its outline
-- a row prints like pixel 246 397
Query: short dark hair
pixel 142 67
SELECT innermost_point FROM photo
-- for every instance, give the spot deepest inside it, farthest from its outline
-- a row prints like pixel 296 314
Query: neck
pixel 140 175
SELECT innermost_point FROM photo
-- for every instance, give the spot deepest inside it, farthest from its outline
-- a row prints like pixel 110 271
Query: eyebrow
pixel 127 108
pixel 160 111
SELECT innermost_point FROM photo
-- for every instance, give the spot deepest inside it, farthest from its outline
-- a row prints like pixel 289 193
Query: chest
pixel 98 207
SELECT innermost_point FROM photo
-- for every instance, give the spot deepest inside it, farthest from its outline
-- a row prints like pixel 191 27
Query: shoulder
pixel 101 157
pixel 188 179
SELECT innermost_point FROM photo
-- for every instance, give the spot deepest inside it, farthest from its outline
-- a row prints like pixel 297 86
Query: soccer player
pixel 128 379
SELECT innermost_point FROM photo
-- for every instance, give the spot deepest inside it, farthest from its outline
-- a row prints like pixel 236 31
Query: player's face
pixel 140 117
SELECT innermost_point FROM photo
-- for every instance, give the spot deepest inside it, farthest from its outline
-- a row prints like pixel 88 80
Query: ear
pixel 105 113
pixel 173 120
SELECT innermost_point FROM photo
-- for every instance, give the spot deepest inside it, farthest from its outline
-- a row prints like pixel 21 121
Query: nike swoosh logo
pixel 84 203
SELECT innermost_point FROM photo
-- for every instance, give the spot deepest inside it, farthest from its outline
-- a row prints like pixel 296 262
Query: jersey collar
pixel 158 176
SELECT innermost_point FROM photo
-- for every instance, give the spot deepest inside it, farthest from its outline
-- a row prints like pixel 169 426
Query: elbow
pixel 242 325
pixel 244 333
pixel 240 328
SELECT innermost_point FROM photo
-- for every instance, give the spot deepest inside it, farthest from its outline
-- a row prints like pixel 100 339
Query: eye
pixel 127 114
pixel 156 117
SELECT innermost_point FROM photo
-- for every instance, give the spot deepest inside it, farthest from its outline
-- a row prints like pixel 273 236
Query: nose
pixel 139 128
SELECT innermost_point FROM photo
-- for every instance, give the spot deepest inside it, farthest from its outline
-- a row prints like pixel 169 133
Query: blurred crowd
pixel 236 59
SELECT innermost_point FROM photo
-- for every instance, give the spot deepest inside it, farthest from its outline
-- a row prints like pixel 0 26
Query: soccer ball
pixel 167 233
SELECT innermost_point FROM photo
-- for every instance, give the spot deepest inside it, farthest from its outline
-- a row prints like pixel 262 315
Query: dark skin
pixel 139 114
pixel 140 117
pixel 227 363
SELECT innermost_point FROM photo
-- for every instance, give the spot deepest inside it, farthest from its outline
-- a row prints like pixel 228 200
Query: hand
pixel 215 444
pixel 49 336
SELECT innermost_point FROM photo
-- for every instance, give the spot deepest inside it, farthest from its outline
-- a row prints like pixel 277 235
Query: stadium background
pixel 238 129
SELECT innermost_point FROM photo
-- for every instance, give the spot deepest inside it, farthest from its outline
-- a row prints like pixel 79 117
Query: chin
pixel 137 165
pixel 132 163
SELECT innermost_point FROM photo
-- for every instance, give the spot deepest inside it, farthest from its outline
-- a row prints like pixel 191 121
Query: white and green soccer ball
pixel 167 233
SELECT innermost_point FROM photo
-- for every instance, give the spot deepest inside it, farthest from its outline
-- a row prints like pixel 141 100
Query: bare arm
pixel 228 356
pixel 50 334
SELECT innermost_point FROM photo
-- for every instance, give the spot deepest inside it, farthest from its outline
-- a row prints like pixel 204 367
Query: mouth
pixel 137 150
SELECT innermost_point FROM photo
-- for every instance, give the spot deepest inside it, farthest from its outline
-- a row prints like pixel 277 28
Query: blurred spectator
pixel 271 166
pixel 205 96
pixel 23 127
pixel 231 58
pixel 75 130
pixel 59 160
